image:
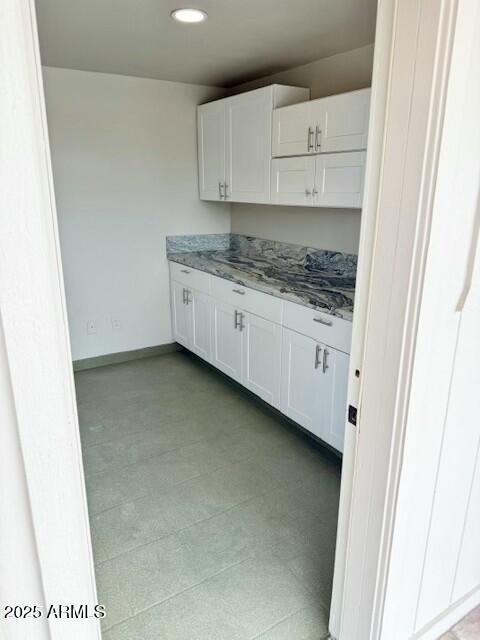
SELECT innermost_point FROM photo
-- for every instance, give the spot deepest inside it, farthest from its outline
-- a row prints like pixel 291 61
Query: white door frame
pixel 423 34
pixel 35 337
pixel 414 43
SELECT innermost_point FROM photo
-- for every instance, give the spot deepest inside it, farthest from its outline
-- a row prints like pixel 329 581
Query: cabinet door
pixel 301 378
pixel 292 131
pixel 211 149
pixel 339 179
pixel 249 146
pixel 181 314
pixel 293 180
pixel 201 323
pixel 334 406
pixel 227 340
pixel 343 121
pixel 262 358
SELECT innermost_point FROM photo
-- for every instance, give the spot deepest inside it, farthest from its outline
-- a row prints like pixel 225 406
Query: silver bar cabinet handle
pixel 310 134
pixel 221 186
pixel 239 291
pixel 241 326
pixel 235 319
pixel 325 366
pixel 318 350
pixel 318 138
pixel 185 271
pixel 184 296
pixel 327 323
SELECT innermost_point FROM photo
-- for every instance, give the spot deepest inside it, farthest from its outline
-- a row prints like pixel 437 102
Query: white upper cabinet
pixel 249 141
pixel 325 180
pixel 292 130
pixel 235 143
pixel 343 123
pixel 211 150
pixel 293 180
pixel 339 179
pixel 336 123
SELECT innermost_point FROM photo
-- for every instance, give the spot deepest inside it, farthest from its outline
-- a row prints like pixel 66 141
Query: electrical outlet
pixel 116 326
pixel 91 327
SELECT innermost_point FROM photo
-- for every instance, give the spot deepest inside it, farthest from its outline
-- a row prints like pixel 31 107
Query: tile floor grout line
pixel 149 458
pixel 173 486
pixel 175 532
pixel 178 593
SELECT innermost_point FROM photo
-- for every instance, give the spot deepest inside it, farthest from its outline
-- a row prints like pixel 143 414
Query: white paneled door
pixel 227 339
pixel 293 180
pixel 180 314
pixel 334 407
pixel 211 150
pixel 300 361
pixel 200 308
pixel 249 146
pixel 343 121
pixel 339 179
pixel 292 130
pixel 262 358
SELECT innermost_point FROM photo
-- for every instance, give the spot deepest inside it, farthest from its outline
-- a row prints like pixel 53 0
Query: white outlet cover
pixel 91 327
pixel 116 324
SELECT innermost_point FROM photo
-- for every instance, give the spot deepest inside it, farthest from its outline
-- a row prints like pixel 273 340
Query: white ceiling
pixel 241 40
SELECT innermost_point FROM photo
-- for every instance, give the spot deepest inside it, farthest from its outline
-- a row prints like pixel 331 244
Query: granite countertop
pixel 318 279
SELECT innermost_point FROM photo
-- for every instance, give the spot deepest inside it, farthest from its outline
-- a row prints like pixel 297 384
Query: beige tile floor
pixel 212 518
pixel 466 629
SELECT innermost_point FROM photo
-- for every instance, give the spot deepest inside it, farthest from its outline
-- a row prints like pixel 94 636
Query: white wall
pixel 336 229
pixel 125 170
pixel 343 72
pixel 323 228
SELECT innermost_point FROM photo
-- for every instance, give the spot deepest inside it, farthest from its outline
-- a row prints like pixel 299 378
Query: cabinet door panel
pixel 200 305
pixel 249 146
pixel 290 131
pixel 334 407
pixel 211 148
pixel 293 180
pixel 344 121
pixel 300 380
pixel 339 179
pixel 227 341
pixel 262 358
pixel 181 315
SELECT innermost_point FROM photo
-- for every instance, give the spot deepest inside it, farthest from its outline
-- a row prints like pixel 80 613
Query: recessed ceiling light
pixel 189 15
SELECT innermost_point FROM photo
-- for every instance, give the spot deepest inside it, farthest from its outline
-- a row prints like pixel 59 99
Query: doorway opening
pixel 210 298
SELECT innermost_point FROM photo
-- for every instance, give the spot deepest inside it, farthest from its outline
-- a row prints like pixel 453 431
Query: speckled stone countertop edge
pixel 188 258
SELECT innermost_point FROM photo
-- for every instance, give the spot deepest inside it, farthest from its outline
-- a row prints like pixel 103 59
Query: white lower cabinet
pixel 335 383
pixel 299 374
pixel 314 386
pixel 181 317
pixel 191 313
pixel 227 340
pixel 262 358
pixel 300 380
pixel 200 309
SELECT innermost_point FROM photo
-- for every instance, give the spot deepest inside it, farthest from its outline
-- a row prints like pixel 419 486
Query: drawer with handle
pixel 261 304
pixel 330 330
pixel 194 278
